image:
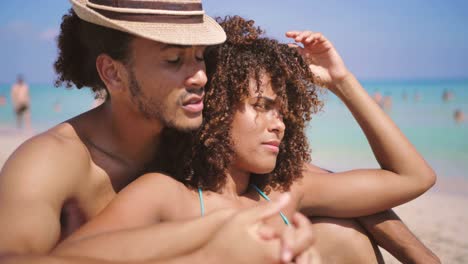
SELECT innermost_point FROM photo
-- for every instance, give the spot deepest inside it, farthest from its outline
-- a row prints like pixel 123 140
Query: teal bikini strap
pixel 285 219
pixel 202 205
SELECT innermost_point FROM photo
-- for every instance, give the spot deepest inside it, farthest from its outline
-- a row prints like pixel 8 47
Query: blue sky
pixel 399 39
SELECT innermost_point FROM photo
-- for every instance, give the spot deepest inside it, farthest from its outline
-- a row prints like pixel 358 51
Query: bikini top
pixel 202 205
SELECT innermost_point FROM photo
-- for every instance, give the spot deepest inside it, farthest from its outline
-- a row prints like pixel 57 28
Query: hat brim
pixel 207 33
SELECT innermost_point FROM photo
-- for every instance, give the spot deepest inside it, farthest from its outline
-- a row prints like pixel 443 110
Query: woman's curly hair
pixel 79 44
pixel 247 54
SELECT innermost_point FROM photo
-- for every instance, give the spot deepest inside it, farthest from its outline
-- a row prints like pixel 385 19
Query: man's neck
pixel 134 138
pixel 121 143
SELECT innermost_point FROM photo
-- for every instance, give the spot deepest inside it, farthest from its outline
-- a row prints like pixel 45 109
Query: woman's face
pixel 257 129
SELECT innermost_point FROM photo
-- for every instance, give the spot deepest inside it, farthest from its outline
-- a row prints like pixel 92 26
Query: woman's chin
pixel 264 169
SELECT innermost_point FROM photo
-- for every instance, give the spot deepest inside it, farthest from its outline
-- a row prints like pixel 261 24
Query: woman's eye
pixel 260 104
pixel 259 107
pixel 200 58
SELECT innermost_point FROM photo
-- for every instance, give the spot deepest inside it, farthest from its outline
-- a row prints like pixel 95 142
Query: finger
pixel 287 241
pixel 266 210
pixel 314 37
pixel 303 258
pixel 309 39
pixel 292 33
pixel 304 237
pixel 293 45
pixel 304 35
pixel 267 233
pixel 299 221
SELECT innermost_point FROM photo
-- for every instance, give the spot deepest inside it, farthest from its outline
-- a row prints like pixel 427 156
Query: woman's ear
pixel 113 74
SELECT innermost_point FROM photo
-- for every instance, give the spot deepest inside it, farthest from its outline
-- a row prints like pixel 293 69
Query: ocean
pixel 336 140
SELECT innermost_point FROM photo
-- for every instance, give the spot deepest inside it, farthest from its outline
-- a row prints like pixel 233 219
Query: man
pixel 153 77
pixel 20 99
pixel 148 57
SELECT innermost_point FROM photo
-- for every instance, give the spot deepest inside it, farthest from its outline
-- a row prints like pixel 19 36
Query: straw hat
pixel 181 22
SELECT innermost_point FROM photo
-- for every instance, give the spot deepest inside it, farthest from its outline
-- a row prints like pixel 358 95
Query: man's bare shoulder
pixel 35 182
pixel 55 156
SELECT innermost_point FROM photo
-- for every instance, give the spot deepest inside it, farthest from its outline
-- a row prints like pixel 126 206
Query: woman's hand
pixel 322 57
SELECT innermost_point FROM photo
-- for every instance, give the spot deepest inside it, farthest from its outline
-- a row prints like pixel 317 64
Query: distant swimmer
pixel 387 102
pixel 417 96
pixel 447 96
pixel 404 96
pixel 57 106
pixel 377 97
pixel 459 116
pixel 21 102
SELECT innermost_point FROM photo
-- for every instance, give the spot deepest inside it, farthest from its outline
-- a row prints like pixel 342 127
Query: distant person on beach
pixel 252 146
pixel 21 103
pixel 153 70
pixel 2 100
pixel 458 116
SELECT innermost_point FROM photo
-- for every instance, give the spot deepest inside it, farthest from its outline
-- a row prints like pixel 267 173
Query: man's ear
pixel 113 74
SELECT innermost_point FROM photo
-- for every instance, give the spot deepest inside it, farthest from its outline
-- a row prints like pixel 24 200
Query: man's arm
pixel 387 229
pixel 227 237
pixel 34 184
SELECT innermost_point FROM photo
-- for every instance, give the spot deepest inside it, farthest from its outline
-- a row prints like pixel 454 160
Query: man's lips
pixel 193 104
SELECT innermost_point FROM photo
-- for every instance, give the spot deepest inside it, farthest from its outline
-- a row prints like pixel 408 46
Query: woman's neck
pixel 237 182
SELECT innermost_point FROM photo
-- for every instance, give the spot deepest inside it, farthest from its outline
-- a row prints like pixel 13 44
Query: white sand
pixel 440 221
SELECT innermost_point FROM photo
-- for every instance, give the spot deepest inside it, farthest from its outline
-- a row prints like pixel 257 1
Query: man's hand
pixel 246 239
pixel 296 242
pixel 322 57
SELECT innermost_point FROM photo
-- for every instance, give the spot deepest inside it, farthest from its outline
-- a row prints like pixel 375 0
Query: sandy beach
pixel 439 217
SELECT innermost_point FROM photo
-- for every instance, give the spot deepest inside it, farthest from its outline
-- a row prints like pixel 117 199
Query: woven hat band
pixel 175 19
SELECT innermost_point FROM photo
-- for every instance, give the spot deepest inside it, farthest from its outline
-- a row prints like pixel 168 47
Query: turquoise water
pixel 44 97
pixel 335 137
pixel 338 142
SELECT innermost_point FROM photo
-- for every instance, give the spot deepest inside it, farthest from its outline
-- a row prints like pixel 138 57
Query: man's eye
pixel 174 61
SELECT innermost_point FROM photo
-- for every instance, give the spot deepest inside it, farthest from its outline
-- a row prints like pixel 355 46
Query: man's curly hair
pixel 247 54
pixel 79 44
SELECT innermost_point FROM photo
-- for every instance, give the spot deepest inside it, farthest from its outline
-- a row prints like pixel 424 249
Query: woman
pixel 252 145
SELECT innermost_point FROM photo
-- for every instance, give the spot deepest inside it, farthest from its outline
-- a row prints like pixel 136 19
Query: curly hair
pixel 79 44
pixel 247 54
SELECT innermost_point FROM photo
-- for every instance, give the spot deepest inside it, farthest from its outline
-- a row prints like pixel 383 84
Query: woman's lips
pixel 272 146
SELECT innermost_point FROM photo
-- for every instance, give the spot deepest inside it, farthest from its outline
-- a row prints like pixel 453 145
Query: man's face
pixel 166 83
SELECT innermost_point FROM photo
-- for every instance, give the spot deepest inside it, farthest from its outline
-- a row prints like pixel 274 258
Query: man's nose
pixel 197 77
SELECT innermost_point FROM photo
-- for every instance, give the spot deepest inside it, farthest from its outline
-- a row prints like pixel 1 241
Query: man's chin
pixel 188 126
